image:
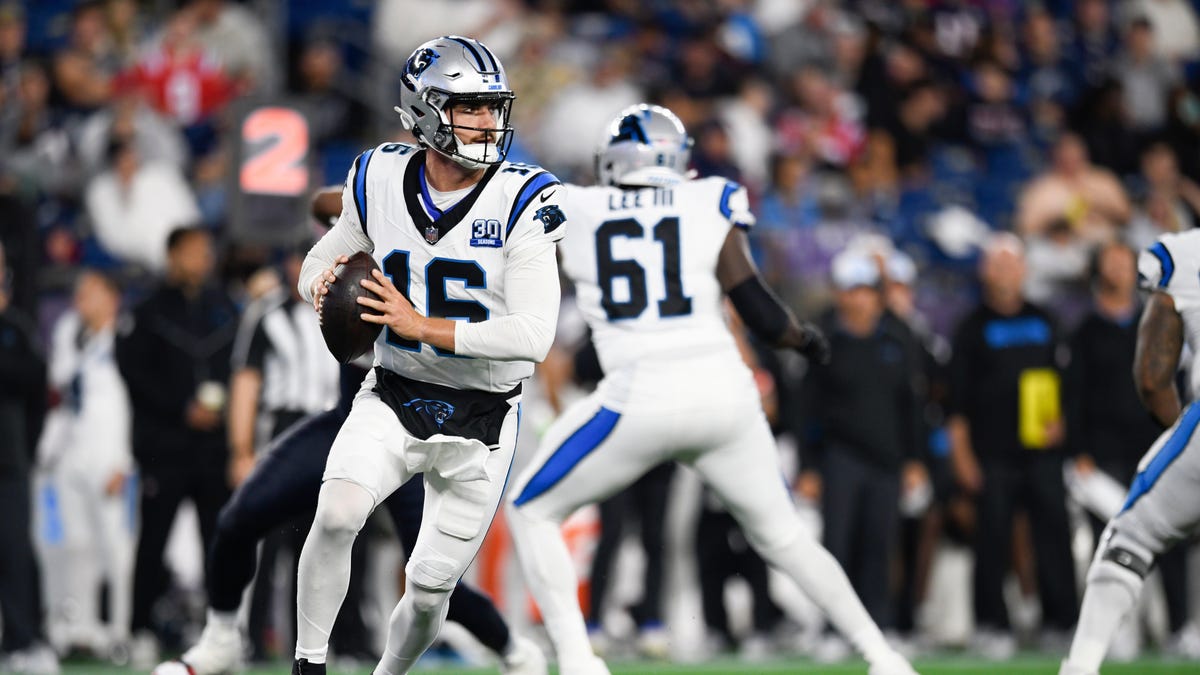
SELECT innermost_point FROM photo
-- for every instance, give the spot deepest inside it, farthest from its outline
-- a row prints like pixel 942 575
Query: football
pixel 173 668
pixel 346 335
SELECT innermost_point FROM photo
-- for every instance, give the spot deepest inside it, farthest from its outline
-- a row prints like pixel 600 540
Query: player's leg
pixel 588 454
pixel 744 474
pixel 1160 510
pixel 115 535
pixel 455 519
pixel 283 485
pixel 468 607
pixel 361 471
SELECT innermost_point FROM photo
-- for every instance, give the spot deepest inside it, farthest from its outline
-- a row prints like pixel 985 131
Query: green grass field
pixel 933 666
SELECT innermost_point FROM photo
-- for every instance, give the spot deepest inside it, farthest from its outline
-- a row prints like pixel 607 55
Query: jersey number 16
pixel 674 303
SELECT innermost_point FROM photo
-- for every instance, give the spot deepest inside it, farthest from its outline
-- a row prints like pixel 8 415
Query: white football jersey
pixel 449 264
pixel 1172 265
pixel 644 265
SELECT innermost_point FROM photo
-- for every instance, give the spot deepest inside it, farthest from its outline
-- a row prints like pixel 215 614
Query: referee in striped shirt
pixel 282 372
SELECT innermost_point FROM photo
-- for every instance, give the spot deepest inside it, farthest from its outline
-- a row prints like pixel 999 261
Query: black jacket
pixel 22 391
pixel 165 350
pixel 1105 418
pixel 867 400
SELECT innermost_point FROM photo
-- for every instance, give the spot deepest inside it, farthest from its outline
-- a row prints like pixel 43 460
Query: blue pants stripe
pixel 1172 449
pixel 568 455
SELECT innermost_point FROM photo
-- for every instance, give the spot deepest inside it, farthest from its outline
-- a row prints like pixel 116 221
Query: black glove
pixel 813 344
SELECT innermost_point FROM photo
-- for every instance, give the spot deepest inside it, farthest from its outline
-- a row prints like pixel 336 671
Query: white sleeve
pixel 346 237
pixel 532 294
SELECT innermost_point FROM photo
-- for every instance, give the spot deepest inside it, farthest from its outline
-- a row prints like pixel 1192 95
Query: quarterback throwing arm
pixel 1162 505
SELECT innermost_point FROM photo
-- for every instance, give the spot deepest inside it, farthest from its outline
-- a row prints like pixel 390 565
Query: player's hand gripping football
pixel 813 344
pixel 394 310
pixel 320 286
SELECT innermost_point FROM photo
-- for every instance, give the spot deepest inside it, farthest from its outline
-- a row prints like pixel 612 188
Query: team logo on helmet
pixel 630 129
pixel 419 62
pixel 551 217
pixel 440 411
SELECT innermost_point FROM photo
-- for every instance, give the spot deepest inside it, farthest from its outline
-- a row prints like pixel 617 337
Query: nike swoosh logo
pixel 544 197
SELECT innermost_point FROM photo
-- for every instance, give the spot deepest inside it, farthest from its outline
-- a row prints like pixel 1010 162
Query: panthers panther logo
pixel 551 217
pixel 630 129
pixel 440 411
pixel 419 62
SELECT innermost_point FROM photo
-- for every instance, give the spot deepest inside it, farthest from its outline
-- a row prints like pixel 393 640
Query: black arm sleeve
pixel 762 312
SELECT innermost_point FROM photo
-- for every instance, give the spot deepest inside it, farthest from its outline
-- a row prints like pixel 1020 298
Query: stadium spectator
pixel 1170 201
pixel 35 148
pixel 156 139
pixel 589 103
pixel 182 79
pixel 86 450
pixel 334 115
pixel 174 354
pixel 1146 78
pixel 23 371
pixel 1090 199
pixel 858 470
pixel 84 70
pixel 1108 430
pixel 135 205
pixel 12 48
pixel 1006 434
pixel 241 43
pixel 1095 42
pixel 1176 29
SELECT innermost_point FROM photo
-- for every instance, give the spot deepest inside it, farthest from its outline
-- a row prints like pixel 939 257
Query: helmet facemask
pixel 453 71
pixel 492 148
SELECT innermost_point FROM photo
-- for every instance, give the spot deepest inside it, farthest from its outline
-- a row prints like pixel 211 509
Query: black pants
pixel 285 486
pixel 199 475
pixel 861 508
pixel 646 502
pixel 20 602
pixel 722 553
pixel 289 537
pixel 1033 481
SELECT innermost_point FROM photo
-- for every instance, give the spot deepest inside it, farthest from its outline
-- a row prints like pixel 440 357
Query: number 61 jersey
pixel 644 264
pixel 450 263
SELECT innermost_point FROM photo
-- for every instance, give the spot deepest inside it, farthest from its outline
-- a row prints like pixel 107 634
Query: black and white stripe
pixel 281 337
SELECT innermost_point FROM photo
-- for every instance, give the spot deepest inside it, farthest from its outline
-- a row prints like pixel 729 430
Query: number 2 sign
pixel 275 152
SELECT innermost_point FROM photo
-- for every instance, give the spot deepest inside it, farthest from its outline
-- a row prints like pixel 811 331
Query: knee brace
pixel 1121 560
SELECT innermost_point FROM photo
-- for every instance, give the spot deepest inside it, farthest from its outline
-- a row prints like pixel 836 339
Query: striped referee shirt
pixel 280 337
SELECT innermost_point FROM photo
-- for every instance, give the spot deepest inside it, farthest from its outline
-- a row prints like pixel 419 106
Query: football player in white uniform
pixel 652 254
pixel 468 297
pixel 1161 507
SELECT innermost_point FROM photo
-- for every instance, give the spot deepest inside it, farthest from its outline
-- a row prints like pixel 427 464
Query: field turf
pixel 950 665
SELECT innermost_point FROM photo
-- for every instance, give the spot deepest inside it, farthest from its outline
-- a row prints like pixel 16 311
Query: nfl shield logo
pixel 431 234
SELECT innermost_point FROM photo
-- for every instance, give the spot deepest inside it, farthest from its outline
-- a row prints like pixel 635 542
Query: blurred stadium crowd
pixel 885 144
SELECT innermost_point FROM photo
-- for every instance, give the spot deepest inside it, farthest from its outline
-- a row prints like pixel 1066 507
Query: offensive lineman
pixel 468 299
pixel 651 254
pixel 1161 507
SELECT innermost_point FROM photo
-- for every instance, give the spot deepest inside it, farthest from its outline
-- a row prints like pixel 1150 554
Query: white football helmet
pixel 450 70
pixel 645 145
